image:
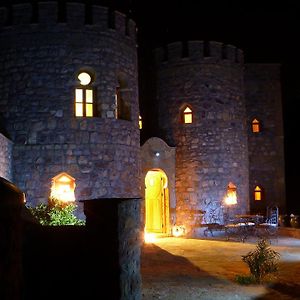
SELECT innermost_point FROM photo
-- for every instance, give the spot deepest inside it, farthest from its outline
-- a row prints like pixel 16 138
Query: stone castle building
pixel 69 109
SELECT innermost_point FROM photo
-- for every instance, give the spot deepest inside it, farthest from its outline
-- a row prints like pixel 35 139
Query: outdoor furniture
pixel 243 226
pixel 211 227
pixel 269 228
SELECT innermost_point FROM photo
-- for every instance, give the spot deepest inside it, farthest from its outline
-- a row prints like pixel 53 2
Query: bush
pixel 56 213
pixel 262 262
pixel 245 279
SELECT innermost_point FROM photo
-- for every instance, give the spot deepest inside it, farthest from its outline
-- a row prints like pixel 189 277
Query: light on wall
pixel 231 198
pixel 63 187
pixel 157 154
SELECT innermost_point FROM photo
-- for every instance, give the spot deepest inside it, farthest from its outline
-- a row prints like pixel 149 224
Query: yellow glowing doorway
pixel 156 202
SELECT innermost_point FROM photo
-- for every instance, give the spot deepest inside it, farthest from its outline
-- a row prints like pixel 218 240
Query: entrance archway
pixel 156 202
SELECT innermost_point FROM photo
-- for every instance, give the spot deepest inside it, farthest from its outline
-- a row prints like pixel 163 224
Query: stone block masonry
pixel 5 157
pixel 39 64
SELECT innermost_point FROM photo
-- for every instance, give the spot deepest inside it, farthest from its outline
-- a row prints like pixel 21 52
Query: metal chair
pixel 269 228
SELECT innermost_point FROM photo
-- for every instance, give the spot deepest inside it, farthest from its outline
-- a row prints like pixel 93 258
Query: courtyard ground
pixel 188 269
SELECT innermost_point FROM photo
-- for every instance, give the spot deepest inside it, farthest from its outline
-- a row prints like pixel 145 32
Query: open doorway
pixel 156 202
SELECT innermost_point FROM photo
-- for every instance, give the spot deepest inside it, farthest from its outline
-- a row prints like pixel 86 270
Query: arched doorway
pixel 156 202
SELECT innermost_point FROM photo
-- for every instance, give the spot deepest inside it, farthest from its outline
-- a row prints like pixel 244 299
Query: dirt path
pixel 187 269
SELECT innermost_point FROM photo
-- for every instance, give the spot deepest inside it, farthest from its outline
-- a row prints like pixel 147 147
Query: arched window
pixel 187 115
pixel 231 197
pixel 255 126
pixel 140 122
pixel 257 193
pixel 63 187
pixel 84 96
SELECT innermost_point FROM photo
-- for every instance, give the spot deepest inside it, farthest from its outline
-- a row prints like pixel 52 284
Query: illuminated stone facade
pixel 5 157
pixel 218 148
pixel 40 59
pixel 43 49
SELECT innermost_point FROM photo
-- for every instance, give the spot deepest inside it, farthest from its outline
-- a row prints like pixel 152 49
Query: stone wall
pixel 266 152
pixel 39 65
pixel 212 151
pixel 5 157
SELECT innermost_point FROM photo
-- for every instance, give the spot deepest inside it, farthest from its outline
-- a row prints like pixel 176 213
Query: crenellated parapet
pixel 199 51
pixel 74 16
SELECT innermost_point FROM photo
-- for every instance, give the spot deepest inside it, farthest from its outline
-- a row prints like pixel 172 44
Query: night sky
pixel 267 31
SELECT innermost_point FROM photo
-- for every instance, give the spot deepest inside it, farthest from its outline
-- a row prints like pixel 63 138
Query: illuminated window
pixel 187 115
pixel 140 122
pixel 231 197
pixel 63 187
pixel 257 193
pixel 255 126
pixel 84 96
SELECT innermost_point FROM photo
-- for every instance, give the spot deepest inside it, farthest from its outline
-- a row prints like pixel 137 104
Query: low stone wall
pixel 5 157
pixel 289 231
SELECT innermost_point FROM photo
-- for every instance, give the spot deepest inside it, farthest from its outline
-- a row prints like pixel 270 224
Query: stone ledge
pixel 289 231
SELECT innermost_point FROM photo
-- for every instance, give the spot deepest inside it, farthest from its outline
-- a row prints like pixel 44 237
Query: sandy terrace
pixel 187 269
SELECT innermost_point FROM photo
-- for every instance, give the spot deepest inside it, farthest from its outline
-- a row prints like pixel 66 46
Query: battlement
pixel 199 51
pixel 76 15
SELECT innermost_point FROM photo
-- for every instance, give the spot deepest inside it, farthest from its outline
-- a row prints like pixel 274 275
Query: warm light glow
pixel 178 230
pixel 84 78
pixel 89 96
pixel 79 95
pixel 79 109
pixel 140 122
pixel 231 198
pixel 63 186
pixel 84 103
pixel 89 110
pixel 149 237
pixel 255 126
pixel 156 202
pixel 257 193
pixel 187 116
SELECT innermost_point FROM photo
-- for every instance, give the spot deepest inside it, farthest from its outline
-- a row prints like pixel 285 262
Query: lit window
pixel 255 126
pixel 187 115
pixel 140 122
pixel 231 197
pixel 257 193
pixel 63 187
pixel 84 97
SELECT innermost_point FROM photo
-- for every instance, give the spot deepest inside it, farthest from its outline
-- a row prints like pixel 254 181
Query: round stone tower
pixel 69 99
pixel 201 108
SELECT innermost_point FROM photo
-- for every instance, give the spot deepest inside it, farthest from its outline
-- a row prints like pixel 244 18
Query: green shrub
pixel 56 213
pixel 263 261
pixel 245 279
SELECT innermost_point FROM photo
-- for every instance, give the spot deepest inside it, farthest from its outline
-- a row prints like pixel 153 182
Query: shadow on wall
pixel 69 262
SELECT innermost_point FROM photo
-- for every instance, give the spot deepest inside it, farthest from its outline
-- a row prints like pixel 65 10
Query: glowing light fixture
pixel 140 122
pixel 178 230
pixel 231 198
pixel 84 78
pixel 63 187
pixel 149 237
pixel 157 154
